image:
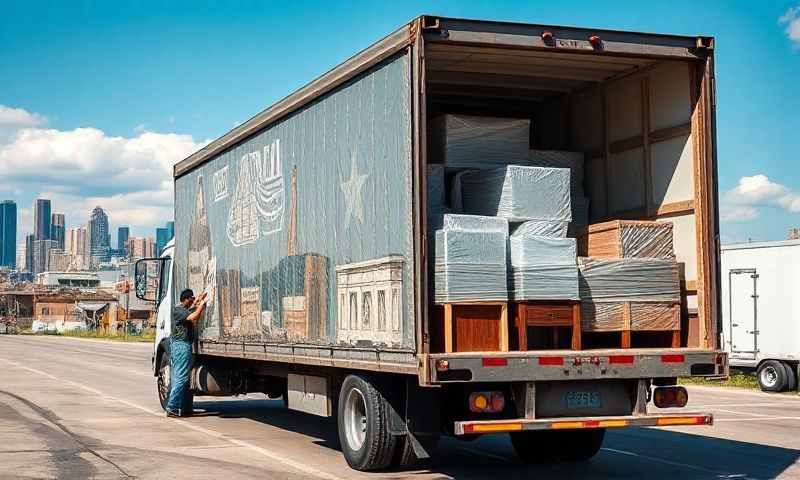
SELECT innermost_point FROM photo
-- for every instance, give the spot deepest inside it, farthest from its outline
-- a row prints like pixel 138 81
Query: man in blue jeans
pixel 184 317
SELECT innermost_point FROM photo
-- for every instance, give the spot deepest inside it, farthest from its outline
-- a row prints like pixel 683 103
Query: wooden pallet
pixel 476 327
pixel 630 318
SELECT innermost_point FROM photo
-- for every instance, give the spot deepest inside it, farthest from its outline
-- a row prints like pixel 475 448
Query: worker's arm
pixel 199 307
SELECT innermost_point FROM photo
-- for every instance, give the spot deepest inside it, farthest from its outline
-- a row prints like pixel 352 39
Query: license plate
pixel 583 400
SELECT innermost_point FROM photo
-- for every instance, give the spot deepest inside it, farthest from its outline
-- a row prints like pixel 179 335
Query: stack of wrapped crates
pixel 574 162
pixel 470 259
pixel 543 263
pixel 631 282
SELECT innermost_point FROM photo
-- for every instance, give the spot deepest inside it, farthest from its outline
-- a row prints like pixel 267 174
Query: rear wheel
pixel 791 376
pixel 558 445
pixel 771 376
pixel 366 441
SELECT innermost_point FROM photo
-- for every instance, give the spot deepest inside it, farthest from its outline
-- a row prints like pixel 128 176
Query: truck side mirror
pixel 147 279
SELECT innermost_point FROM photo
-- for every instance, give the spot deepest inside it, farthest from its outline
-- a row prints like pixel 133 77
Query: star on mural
pixel 352 194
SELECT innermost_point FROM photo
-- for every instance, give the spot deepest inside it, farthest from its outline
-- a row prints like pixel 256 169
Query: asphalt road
pixel 72 408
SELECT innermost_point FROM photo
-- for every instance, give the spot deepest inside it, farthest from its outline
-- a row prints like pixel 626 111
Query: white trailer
pixel 761 310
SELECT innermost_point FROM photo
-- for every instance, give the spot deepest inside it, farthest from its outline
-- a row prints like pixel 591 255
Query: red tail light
pixel 494 362
pixel 666 397
pixel 672 359
pixel 551 360
pixel 620 359
pixel 487 402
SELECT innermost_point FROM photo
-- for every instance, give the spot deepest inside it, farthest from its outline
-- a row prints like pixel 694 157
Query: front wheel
pixel 367 443
pixel 558 445
pixel 163 380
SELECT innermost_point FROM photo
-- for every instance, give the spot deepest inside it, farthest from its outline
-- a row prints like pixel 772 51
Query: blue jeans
pixel 180 366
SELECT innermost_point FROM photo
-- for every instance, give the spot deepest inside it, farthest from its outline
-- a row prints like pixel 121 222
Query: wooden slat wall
pixel 650 135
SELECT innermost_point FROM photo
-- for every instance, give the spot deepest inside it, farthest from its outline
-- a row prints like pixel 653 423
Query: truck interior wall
pixel 636 128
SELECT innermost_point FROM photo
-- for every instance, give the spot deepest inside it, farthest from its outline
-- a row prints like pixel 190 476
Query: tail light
pixel 487 402
pixel 665 397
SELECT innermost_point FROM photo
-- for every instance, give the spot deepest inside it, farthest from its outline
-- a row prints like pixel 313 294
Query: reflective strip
pixel 672 358
pixel 612 423
pixel 551 360
pixel 494 362
pixel 560 425
pixel 493 427
pixel 620 359
pixel 683 421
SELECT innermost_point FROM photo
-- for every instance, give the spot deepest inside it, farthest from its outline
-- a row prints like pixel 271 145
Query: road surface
pixel 72 408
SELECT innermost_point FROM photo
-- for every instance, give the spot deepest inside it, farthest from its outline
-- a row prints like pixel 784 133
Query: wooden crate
pixel 476 327
pixel 551 315
pixel 626 239
pixel 627 317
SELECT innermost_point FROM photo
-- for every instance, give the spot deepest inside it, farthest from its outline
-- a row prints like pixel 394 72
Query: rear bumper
pixel 575 365
pixel 579 423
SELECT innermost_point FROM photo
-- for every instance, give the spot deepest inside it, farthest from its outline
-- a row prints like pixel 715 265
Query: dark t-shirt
pixel 182 329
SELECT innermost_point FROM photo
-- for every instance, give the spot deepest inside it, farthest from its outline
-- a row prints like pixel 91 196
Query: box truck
pixel 760 324
pixel 341 278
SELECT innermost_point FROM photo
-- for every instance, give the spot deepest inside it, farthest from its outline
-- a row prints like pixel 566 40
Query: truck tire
pixel 163 380
pixel 363 423
pixel 791 376
pixel 558 445
pixel 771 376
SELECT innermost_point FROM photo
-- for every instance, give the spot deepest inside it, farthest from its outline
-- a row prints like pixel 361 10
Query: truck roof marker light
pixel 595 41
pixel 672 358
pixel 547 37
pixel 620 359
pixel 494 362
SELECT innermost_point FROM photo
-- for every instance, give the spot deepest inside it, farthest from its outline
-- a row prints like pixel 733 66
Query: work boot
pixel 173 413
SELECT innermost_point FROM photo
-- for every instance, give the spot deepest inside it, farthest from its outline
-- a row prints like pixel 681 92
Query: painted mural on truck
pixel 303 233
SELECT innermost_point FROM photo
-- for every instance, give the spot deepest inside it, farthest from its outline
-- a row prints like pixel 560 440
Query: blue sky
pixel 146 83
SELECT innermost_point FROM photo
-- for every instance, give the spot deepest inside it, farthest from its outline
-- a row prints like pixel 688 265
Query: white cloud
pixel 792 21
pixel 743 202
pixel 131 178
pixel 19 118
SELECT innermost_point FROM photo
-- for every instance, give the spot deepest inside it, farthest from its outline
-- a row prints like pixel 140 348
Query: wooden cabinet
pixel 552 316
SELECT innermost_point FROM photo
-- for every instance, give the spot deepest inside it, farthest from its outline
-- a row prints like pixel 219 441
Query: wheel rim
pixel 769 376
pixel 163 383
pixel 355 419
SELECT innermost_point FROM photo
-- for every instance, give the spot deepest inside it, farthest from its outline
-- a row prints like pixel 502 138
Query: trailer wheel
pixel 558 445
pixel 363 425
pixel 163 380
pixel 771 376
pixel 791 376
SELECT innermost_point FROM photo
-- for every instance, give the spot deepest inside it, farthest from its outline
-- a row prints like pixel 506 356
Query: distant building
pixel 60 261
pixel 141 248
pixel 68 279
pixel 41 254
pixel 41 219
pixel 29 241
pixel 8 233
pixel 99 240
pixel 21 258
pixel 57 230
pixel 171 230
pixel 162 237
pixel 77 245
pixel 123 233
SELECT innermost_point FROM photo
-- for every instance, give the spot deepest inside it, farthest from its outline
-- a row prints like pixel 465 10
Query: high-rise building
pixel 77 245
pixel 21 258
pixel 99 239
pixel 141 248
pixel 41 254
pixel 122 237
pixel 162 237
pixel 41 219
pixel 8 233
pixel 171 230
pixel 57 229
pixel 29 240
pixel 60 261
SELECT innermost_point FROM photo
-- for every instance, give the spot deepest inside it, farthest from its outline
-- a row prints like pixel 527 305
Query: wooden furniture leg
pixel 522 328
pixel 576 326
pixel 448 328
pixel 504 327
pixel 626 325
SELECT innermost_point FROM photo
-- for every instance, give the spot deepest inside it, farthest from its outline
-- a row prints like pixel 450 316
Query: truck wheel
pixel 558 446
pixel 163 380
pixel 791 376
pixel 363 425
pixel 771 376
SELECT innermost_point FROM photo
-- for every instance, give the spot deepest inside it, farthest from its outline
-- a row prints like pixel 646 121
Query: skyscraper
pixel 99 239
pixel 41 254
pixel 29 240
pixel 41 219
pixel 123 233
pixel 171 230
pixel 57 229
pixel 8 233
pixel 77 245
pixel 162 237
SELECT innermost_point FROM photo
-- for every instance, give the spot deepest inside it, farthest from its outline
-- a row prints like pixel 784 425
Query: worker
pixel 184 317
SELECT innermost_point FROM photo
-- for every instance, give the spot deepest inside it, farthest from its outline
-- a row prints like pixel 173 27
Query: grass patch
pixel 738 379
pixel 148 335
